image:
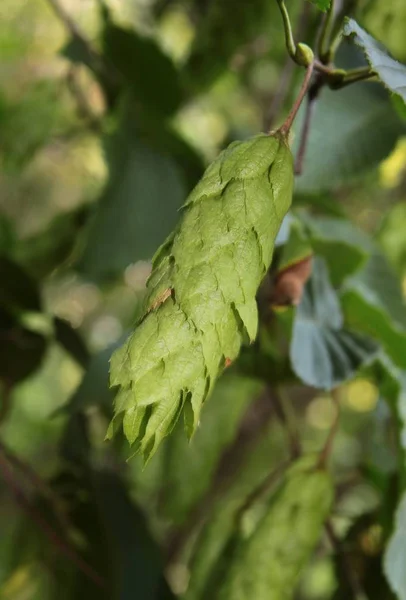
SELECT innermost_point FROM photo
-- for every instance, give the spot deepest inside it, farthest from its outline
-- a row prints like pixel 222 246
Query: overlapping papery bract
pixel 201 294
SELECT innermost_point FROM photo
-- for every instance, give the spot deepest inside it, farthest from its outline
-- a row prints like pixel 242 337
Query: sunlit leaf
pixel 391 72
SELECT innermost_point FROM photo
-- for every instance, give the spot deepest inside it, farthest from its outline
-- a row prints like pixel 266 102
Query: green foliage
pixel 392 239
pixel 226 27
pixel 356 128
pixel 267 560
pixel 390 71
pixel 186 339
pixel 147 74
pixel 321 4
pixel 323 352
pixel 396 552
pixel 132 220
pixel 182 488
pixel 372 303
pixel 344 247
pixel 292 322
pixel 27 124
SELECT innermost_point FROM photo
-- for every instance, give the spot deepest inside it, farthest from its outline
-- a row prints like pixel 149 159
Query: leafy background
pixel 106 122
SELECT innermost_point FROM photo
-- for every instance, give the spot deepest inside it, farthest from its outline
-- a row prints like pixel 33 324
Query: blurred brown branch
pixel 7 472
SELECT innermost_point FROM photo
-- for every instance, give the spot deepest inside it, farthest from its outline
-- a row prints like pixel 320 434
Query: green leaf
pixel 189 466
pixel 94 388
pixel 199 311
pixel 7 236
pixel 391 72
pixel 321 4
pixel 21 350
pixel 139 206
pixel 70 339
pixel 322 352
pixel 222 31
pixel 144 68
pixel 264 455
pixel 343 246
pixel 27 124
pixel 392 385
pixel 43 252
pixel 138 565
pixel 270 560
pixel 353 130
pixel 387 21
pixel 21 292
pixel 395 555
pixel 373 303
pixel 392 237
pixel 296 248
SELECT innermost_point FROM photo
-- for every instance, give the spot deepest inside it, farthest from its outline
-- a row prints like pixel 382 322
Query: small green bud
pixel 304 55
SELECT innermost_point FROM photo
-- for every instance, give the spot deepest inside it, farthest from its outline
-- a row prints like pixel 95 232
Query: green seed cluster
pixel 201 302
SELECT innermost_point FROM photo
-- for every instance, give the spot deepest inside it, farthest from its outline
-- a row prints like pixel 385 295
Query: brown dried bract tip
pixel 289 283
pixel 161 299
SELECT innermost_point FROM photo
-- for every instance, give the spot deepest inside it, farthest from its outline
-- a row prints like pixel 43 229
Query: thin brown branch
pixel 38 484
pixel 37 518
pixel 285 413
pixel 98 63
pixel 312 97
pixel 328 446
pixel 280 97
pixel 72 27
pixel 254 423
pixel 350 574
pixel 302 93
pixel 84 108
pixel 7 388
pixel 265 486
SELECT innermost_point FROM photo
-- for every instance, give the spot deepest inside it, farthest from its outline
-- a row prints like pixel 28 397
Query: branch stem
pixel 346 566
pixel 288 419
pixel 290 42
pixel 302 93
pixel 312 98
pixel 328 446
pixel 37 517
pixel 323 49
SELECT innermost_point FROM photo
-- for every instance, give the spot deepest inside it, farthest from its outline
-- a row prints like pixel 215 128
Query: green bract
pixel 267 564
pixel 201 294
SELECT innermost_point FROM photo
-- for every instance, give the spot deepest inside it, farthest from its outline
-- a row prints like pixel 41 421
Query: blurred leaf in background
pixel 109 113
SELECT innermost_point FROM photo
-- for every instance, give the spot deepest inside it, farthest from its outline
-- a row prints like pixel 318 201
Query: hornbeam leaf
pixel 201 294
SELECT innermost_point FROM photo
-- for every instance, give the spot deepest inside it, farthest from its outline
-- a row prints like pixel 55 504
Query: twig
pixel 287 417
pixel 255 421
pixel 280 96
pixel 290 42
pixel 5 400
pixel 302 93
pixel 350 574
pixel 346 9
pixel 287 72
pixel 328 446
pixel 36 516
pixel 38 484
pixel 262 488
pixel 312 97
pixel 353 76
pixel 323 45
pixel 98 64
pixel 74 29
pixel 83 106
